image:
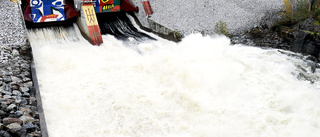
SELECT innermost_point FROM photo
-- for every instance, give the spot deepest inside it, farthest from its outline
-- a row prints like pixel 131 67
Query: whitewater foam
pixel 201 86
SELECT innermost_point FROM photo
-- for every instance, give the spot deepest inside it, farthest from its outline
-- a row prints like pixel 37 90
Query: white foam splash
pixel 201 86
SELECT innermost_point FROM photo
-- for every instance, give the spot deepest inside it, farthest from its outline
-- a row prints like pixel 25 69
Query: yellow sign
pixel 90 15
pixel 105 1
pixel 17 1
pixel 107 7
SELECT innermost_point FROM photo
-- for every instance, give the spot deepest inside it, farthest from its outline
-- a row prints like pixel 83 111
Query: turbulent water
pixel 200 87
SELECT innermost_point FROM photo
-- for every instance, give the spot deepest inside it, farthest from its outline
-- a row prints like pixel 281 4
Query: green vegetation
pixel 178 35
pixel 312 33
pixel 297 10
pixel 221 28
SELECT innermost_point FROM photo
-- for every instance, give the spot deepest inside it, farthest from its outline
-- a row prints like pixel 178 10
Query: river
pixel 200 87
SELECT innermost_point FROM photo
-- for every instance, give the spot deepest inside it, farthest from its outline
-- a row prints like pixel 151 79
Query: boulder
pixel 306 43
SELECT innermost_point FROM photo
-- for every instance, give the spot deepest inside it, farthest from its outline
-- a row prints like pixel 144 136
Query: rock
pixel 25 110
pixel 34 134
pixel 28 84
pixel 25 79
pixel 8 121
pixel 3 105
pixel 26 73
pixel 14 127
pixel 22 132
pixel 25 66
pixel 25 94
pixel 4 134
pixel 24 89
pixel 26 119
pixel 7 79
pixel 7 93
pixel 16 92
pixel 304 42
pixel 16 79
pixel 7 96
pixel 11 106
pixel 15 53
pixel 15 87
pixel 7 87
pixel 1 125
pixel 2 113
pixel 33 101
pixel 24 101
pixel 18 100
pixel 28 126
pixel 19 113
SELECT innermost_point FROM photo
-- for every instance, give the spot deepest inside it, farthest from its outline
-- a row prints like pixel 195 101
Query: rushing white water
pixel 200 87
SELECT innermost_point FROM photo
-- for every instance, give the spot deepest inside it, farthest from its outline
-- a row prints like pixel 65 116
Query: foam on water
pixel 201 86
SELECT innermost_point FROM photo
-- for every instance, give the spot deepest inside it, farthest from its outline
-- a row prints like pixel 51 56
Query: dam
pixel 136 83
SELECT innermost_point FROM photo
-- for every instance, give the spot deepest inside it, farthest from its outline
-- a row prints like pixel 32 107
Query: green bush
pixel 297 10
pixel 178 35
pixel 302 11
pixel 316 10
pixel 221 28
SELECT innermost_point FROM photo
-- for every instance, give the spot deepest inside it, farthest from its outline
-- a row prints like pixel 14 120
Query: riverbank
pixel 18 110
pixel 299 37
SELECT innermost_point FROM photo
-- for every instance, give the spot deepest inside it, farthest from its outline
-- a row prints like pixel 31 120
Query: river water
pixel 200 87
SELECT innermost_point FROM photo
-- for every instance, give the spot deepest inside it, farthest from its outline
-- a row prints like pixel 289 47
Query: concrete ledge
pixel 43 124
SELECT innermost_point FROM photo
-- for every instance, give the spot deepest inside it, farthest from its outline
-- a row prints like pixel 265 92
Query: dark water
pixel 120 26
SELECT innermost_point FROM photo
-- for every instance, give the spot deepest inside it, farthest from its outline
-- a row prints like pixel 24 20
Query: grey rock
pixel 24 48
pixel 28 126
pixel 15 52
pixel 26 73
pixel 34 134
pixel 16 92
pixel 25 66
pixel 22 132
pixel 32 101
pixel 19 113
pixel 33 108
pixel 7 87
pixel 14 127
pixel 4 133
pixel 16 79
pixel 28 84
pixel 7 79
pixel 26 94
pixel 2 113
pixel 24 89
pixel 15 87
pixel 6 73
pixel 11 106
pixel 27 119
pixel 4 105
pixel 18 100
pixel 7 96
pixel 23 101
pixel 25 79
pixel 6 92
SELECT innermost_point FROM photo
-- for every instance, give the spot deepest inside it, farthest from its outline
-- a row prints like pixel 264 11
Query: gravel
pixel 18 112
pixel 201 15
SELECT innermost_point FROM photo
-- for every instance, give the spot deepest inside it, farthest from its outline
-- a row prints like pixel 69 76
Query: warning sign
pixel 92 23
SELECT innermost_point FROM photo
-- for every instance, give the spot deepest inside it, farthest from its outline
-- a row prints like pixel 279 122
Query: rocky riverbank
pixel 300 37
pixel 18 104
